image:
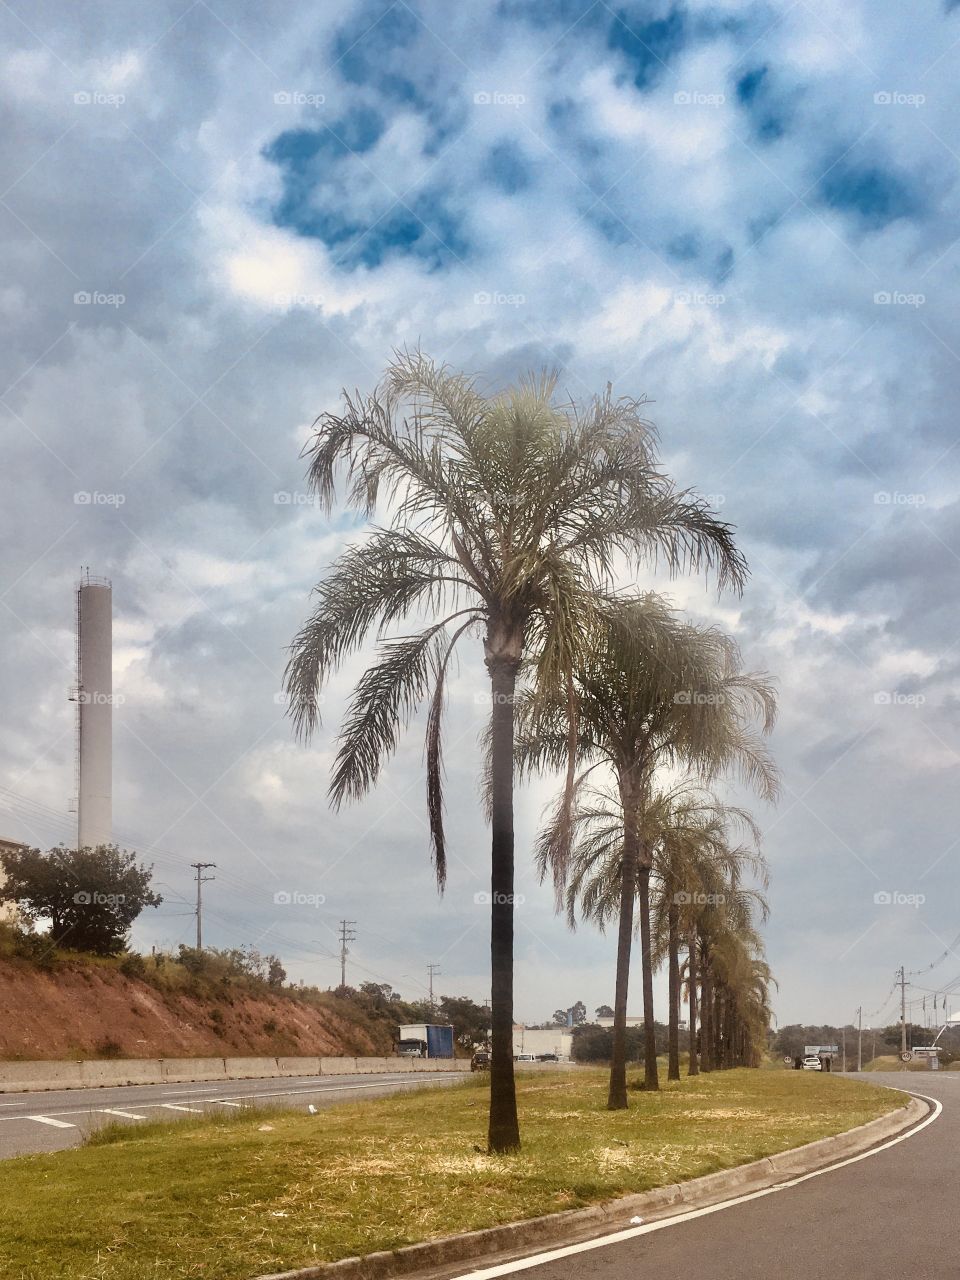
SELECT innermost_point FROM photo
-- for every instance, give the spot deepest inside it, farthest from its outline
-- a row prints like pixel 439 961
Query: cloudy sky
pixel 215 216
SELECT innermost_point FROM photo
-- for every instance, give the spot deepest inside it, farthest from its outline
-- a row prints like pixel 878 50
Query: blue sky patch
pixel 647 45
pixel 876 195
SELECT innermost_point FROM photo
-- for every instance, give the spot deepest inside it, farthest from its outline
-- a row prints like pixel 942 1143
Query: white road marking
pixel 57 1124
pixel 127 1115
pixel 223 1102
pixel 631 1233
pixel 272 1093
pixel 169 1106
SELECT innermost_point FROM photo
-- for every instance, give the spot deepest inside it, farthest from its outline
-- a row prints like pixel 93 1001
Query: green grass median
pixel 220 1199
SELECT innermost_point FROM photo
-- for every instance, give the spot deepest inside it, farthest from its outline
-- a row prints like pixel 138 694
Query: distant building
pixel 633 1021
pixel 8 912
pixel 537 1040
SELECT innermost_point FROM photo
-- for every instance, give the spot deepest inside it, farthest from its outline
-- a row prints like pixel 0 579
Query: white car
pixel 812 1063
pixel 524 1057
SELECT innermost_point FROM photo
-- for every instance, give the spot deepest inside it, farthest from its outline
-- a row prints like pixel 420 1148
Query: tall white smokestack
pixel 94 712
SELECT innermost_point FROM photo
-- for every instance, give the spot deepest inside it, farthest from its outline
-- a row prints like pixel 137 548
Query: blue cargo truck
pixel 424 1040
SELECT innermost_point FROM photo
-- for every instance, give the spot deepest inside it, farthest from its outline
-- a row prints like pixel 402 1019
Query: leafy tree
pixel 470 1021
pixel 90 896
pixel 507 516
pixel 604 1011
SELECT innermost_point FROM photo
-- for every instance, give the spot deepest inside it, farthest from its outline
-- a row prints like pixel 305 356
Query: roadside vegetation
pixel 232 1197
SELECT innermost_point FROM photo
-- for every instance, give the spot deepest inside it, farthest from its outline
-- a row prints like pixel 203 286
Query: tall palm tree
pixel 506 516
pixel 693 854
pixel 653 692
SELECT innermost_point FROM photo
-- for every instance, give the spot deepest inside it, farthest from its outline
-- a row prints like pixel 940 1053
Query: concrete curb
pixel 574 1225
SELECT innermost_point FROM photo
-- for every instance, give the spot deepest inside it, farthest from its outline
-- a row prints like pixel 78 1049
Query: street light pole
pixel 860 1038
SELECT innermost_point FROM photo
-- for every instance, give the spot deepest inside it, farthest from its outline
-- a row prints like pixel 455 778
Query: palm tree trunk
pixel 716 1022
pixel 693 1066
pixel 504 1129
pixel 617 1095
pixel 651 1080
pixel 673 962
pixel 706 1019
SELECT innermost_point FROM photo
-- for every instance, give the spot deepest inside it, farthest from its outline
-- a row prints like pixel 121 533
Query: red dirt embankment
pixel 88 1012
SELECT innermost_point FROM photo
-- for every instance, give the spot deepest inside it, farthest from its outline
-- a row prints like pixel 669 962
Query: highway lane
pixel 893 1213
pixel 55 1119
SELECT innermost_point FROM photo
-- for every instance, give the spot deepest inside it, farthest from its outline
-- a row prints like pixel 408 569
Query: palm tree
pixel 506 516
pixel 693 852
pixel 654 692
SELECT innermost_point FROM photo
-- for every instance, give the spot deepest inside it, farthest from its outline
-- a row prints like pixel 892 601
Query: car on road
pixel 547 1057
pixel 812 1063
pixel 480 1061
pixel 524 1057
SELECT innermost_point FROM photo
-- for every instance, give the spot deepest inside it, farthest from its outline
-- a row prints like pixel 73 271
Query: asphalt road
pixel 52 1120
pixel 891 1214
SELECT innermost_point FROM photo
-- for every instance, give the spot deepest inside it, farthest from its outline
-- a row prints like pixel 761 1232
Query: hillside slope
pixel 81 1011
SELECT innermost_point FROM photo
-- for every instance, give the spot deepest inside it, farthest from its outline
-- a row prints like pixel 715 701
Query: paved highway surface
pixel 894 1213
pixel 55 1119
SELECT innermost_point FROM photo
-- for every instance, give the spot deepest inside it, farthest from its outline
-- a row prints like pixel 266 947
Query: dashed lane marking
pixel 57 1124
pixel 126 1115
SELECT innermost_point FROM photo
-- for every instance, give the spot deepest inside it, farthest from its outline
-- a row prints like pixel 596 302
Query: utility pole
pixel 903 1012
pixel 346 935
pixel 200 867
pixel 860 1038
pixel 433 971
pixel 843 1041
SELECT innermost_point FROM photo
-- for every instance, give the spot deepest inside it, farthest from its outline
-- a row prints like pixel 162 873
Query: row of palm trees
pixel 515 519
